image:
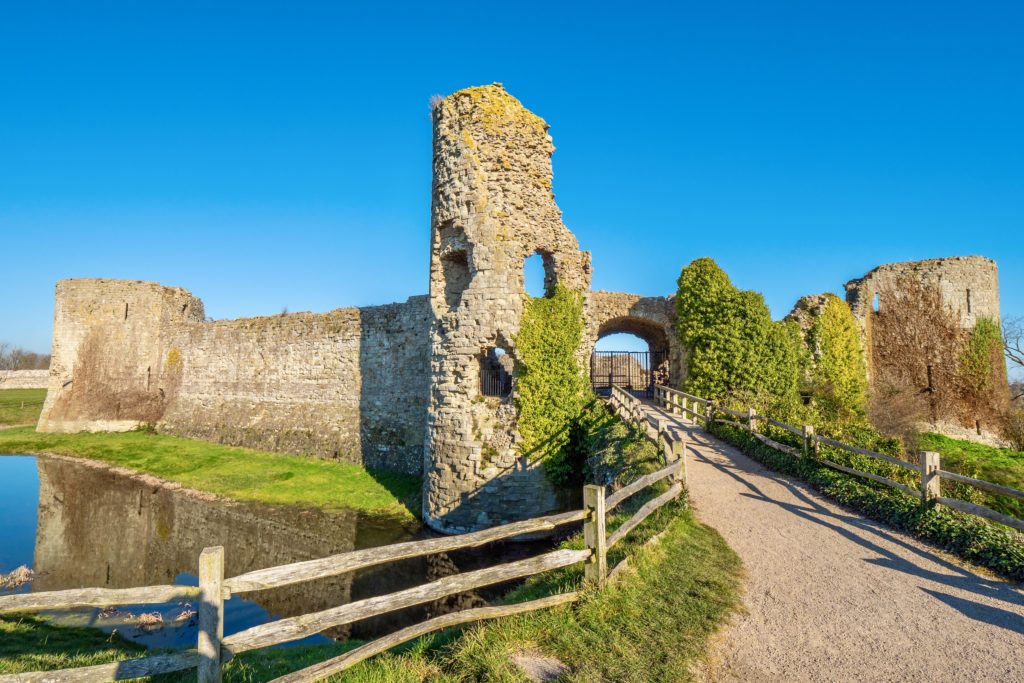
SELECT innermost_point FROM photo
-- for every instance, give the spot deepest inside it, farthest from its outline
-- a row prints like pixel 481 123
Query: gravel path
pixel 832 596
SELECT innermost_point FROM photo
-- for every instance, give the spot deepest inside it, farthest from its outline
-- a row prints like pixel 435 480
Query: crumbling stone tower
pixel 913 318
pixel 492 207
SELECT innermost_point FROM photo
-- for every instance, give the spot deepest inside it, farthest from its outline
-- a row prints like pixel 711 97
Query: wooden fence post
pixel 709 414
pixel 663 441
pixel 931 482
pixel 810 445
pixel 752 420
pixel 596 568
pixel 679 455
pixel 211 613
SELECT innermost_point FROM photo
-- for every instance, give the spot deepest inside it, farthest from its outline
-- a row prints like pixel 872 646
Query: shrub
pixel 734 347
pixel 551 389
pixel 839 380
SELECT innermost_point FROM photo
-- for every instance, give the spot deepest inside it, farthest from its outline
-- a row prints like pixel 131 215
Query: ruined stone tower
pixel 492 207
pixel 914 317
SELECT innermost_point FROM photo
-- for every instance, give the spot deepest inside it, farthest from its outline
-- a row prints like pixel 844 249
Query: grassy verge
pixel 239 473
pixel 21 406
pixel 651 625
pixel 993 546
pixel 29 644
pixel 997 465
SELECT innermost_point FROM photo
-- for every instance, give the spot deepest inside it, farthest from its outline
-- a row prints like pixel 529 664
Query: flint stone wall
pixel 24 379
pixel 492 207
pixel 350 384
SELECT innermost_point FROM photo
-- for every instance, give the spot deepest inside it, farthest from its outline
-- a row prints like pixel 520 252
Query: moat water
pixel 78 526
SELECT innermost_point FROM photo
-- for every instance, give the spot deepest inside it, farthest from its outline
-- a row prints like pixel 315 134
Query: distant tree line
pixel 16 358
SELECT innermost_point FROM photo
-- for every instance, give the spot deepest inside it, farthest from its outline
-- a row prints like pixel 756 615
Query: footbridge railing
pixel 213 649
pixel 928 470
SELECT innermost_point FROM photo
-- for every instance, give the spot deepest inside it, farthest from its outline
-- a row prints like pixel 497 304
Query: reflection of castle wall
pixel 100 529
pixel 96 528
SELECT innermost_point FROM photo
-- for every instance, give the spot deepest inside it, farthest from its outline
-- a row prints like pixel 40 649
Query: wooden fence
pixel 928 468
pixel 213 648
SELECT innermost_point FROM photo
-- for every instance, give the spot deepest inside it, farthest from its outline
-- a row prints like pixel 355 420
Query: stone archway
pixel 652 319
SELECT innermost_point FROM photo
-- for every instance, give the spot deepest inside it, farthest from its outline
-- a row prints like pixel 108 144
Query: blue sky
pixel 271 155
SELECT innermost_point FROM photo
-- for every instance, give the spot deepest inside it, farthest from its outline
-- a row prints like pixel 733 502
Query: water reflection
pixel 95 528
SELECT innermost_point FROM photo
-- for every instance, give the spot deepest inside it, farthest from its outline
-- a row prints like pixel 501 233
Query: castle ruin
pixel 425 386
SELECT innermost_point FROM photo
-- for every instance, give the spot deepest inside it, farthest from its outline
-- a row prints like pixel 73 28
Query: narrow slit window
pixel 126 311
pixel 876 302
pixel 968 300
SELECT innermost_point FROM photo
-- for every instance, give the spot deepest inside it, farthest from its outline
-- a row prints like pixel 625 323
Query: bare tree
pixel 1013 347
pixel 16 358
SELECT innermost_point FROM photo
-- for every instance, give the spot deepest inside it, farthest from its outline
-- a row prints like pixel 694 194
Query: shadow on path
pixel 798 501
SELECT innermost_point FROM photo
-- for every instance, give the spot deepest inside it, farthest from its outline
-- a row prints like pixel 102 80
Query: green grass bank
pixel 652 624
pixel 239 473
pixel 21 406
pixel 997 465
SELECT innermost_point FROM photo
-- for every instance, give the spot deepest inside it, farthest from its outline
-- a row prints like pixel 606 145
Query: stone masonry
pixel 398 386
pixel 24 379
pixel 492 207
pixel 350 384
pixel 968 287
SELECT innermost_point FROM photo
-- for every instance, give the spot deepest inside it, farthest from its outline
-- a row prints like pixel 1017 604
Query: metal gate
pixel 635 371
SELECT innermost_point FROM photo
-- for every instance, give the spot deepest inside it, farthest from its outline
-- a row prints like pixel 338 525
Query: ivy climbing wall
pixel 492 207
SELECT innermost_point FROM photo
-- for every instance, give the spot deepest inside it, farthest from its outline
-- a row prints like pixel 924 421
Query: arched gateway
pixel 651 319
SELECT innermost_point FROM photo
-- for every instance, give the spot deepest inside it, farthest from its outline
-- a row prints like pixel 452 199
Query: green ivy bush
pixel 984 346
pixel 974 539
pixel 735 348
pixel 838 376
pixel 551 389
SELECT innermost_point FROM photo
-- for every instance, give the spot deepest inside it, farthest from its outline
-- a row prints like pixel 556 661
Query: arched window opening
pixel 455 267
pixel 538 274
pixel 496 367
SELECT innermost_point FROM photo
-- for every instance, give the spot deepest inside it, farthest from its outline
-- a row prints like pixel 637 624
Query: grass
pixel 21 406
pixel 238 473
pixel 997 465
pixel 651 625
pixel 30 644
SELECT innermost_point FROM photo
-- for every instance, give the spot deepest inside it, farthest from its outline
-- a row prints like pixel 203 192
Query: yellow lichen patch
pixel 496 108
pixel 173 359
pixel 468 139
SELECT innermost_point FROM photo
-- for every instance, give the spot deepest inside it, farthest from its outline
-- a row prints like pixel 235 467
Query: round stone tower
pixel 492 207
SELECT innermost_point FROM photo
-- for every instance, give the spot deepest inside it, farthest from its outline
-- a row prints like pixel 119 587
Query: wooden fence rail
pixel 927 467
pixel 213 648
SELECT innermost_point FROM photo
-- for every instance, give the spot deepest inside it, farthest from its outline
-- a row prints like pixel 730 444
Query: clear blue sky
pixel 270 155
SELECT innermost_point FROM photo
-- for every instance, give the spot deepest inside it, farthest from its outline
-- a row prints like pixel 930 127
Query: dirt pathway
pixel 832 596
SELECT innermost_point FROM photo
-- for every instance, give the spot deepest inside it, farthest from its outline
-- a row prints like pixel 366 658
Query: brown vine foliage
pixel 916 345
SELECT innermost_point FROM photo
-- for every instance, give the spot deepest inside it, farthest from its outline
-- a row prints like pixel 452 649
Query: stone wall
pixel 651 318
pixel 915 318
pixel 969 286
pixel 24 379
pixel 492 207
pixel 349 384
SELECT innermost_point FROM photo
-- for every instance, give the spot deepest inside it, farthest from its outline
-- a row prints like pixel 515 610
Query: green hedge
pixel 972 538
